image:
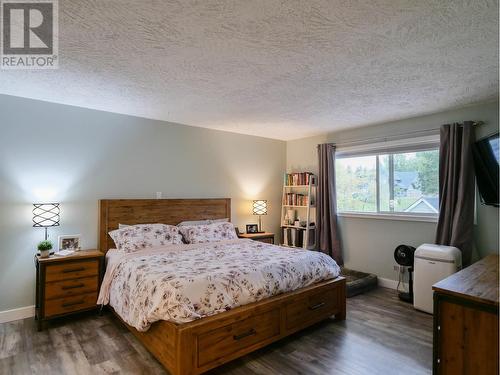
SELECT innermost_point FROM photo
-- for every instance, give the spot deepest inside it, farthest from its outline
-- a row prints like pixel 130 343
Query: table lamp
pixel 260 208
pixel 46 215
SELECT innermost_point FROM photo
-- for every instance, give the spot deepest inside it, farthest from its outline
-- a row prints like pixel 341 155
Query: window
pixel 405 182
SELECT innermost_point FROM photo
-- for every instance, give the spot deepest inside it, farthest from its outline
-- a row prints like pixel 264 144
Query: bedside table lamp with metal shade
pixel 46 215
pixel 259 207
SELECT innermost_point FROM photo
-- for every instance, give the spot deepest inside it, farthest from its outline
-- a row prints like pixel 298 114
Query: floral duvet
pixel 181 283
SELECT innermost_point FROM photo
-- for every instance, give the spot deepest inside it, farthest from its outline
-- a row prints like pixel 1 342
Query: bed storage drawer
pixel 65 288
pixel 69 304
pixel 71 270
pixel 224 341
pixel 309 309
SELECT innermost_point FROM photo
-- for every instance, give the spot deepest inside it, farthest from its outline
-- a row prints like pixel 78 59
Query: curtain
pixel 327 235
pixel 456 189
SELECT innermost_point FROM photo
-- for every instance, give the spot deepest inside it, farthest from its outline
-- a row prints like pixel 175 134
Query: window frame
pixel 425 143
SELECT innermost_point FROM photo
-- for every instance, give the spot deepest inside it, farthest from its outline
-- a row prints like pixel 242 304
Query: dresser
pixel 261 237
pixel 466 320
pixel 66 285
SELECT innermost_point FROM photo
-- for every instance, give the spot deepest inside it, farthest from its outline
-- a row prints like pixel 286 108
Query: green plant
pixel 45 245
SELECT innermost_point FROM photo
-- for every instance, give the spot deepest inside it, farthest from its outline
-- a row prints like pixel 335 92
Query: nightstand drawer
pixel 70 304
pixel 72 287
pixel 269 240
pixel 71 270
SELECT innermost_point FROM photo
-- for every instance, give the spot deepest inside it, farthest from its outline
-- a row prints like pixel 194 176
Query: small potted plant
pixel 44 247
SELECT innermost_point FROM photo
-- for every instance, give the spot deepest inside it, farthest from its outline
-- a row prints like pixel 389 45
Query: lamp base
pixel 260 225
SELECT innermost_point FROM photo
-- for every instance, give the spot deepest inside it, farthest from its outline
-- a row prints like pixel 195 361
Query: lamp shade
pixel 260 207
pixel 46 215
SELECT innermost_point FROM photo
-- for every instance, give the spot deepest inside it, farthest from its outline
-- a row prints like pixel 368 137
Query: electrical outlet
pixel 399 268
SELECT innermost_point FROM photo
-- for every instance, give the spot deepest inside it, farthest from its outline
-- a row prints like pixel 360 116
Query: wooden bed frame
pixel 198 346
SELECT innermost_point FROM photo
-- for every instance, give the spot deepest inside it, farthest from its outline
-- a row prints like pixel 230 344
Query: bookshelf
pixel 298 203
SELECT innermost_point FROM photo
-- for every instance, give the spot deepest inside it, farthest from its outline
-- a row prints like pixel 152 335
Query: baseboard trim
pixel 17 314
pixel 387 283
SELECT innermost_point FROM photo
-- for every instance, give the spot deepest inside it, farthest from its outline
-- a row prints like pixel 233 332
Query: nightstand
pixel 67 284
pixel 262 237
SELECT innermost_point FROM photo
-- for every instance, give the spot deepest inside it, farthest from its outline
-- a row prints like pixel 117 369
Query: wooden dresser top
pixel 478 282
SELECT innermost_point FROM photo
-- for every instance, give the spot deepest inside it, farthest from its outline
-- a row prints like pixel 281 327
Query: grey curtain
pixel 456 189
pixel 327 234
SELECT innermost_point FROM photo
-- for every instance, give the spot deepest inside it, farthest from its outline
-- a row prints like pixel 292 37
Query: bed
pixel 196 346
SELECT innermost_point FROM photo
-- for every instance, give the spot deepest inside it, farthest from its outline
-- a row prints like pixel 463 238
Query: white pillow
pixel 143 236
pixel 208 233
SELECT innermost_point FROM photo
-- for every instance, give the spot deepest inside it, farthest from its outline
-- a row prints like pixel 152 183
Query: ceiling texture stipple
pixel 278 69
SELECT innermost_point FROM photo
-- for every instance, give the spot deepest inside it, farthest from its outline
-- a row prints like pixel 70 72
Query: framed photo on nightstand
pixel 69 242
pixel 252 228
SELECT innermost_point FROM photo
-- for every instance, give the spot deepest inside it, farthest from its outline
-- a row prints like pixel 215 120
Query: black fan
pixel 404 257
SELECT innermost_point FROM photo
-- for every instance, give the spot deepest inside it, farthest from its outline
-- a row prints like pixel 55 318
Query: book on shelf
pixel 293 199
pixel 296 179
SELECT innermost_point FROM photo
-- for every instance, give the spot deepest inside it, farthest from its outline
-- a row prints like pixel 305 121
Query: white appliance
pixel 433 263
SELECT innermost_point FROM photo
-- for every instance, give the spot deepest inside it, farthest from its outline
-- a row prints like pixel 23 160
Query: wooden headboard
pixel 166 211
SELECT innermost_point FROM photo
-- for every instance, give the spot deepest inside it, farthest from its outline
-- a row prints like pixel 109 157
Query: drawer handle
pixel 73 303
pixel 66 287
pixel 246 334
pixel 73 270
pixel 318 306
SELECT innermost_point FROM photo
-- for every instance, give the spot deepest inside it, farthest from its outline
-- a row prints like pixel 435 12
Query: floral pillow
pixel 208 233
pixel 143 236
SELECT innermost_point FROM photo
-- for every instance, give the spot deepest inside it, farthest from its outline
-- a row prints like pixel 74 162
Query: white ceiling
pixel 280 69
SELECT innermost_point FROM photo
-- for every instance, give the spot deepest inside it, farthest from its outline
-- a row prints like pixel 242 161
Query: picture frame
pixel 252 228
pixel 69 242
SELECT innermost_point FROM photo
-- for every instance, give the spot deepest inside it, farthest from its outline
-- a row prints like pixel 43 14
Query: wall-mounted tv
pixel 487 169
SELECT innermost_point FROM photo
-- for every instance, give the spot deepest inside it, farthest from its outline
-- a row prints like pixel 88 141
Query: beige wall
pixel 77 156
pixel 369 243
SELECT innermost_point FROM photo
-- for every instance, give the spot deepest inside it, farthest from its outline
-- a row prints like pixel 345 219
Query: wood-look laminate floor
pixel 380 336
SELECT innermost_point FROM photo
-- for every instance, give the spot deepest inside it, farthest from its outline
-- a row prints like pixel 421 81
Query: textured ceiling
pixel 279 69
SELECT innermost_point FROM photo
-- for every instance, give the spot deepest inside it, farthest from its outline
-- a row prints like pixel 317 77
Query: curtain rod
pixel 396 136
